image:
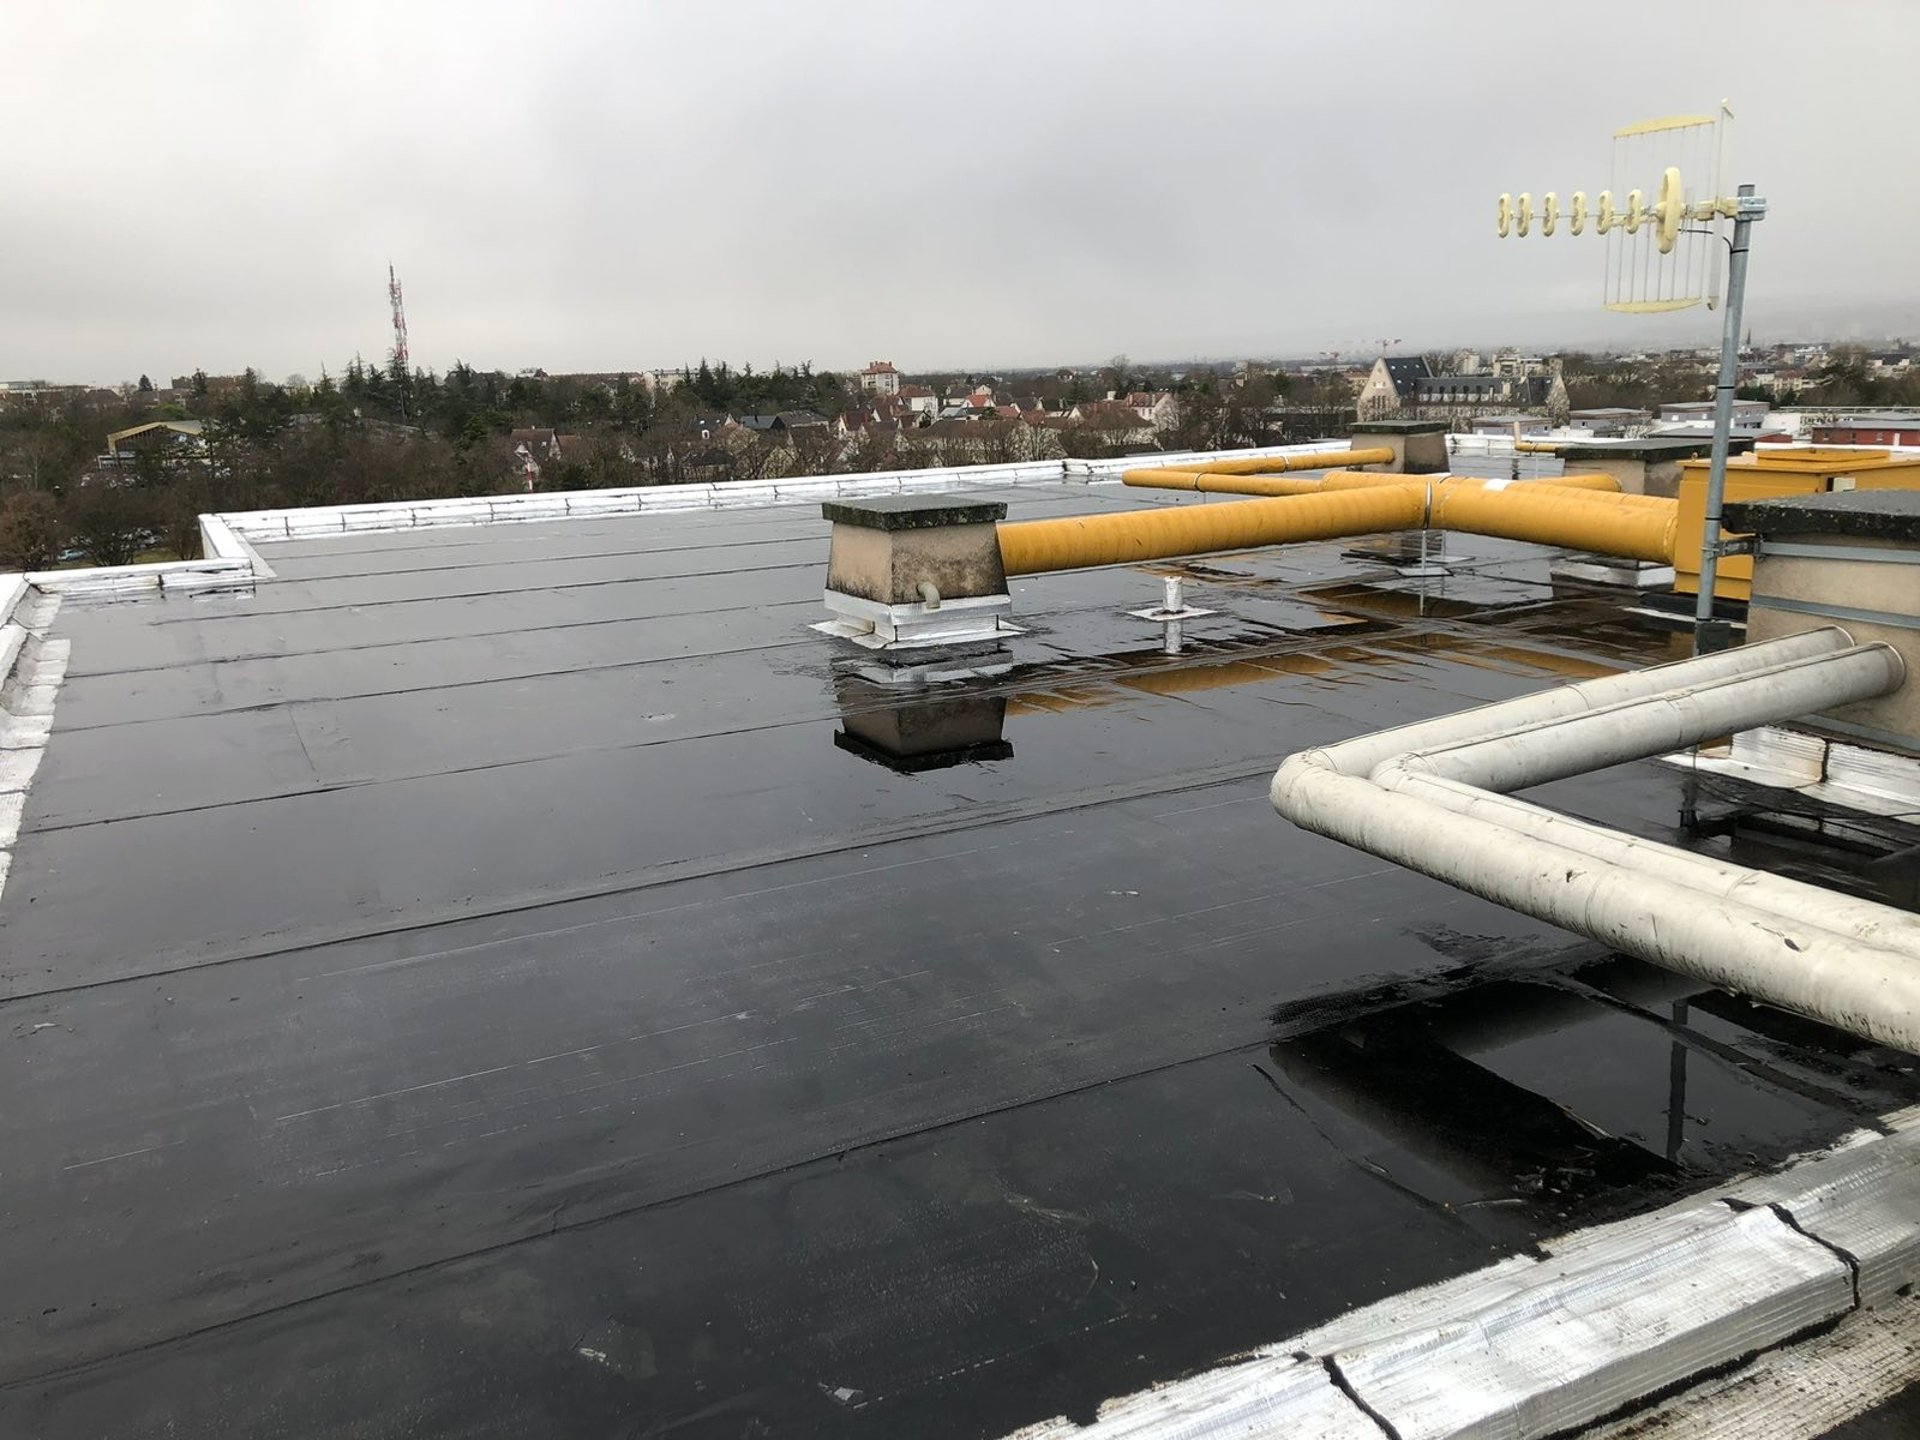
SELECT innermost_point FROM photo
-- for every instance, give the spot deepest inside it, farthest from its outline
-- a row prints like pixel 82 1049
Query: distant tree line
pixel 374 434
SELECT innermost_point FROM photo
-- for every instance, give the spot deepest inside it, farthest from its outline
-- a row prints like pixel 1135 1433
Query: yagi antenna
pixel 1664 234
pixel 1662 214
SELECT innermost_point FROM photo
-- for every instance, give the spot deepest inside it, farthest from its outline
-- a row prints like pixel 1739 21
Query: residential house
pixel 880 378
pixel 783 421
pixel 1157 407
pixel 919 399
pixel 534 448
pixel 705 467
pixel 1111 425
pixel 979 441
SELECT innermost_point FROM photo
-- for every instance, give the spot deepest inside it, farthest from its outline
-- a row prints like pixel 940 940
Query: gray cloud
pixel 625 184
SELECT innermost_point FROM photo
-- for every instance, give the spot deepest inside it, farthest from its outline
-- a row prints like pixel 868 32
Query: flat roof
pixel 464 987
pixel 1891 515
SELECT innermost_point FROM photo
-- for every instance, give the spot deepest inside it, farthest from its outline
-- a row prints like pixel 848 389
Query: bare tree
pixel 29 531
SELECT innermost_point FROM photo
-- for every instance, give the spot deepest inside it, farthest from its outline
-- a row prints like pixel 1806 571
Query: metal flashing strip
pixel 1607 1317
pixel 1863 553
pixel 1869 779
pixel 218 542
pixel 1836 612
pixel 1796 1392
pixel 1872 734
pixel 31 669
pixel 13 590
pixel 210 574
pixel 266 526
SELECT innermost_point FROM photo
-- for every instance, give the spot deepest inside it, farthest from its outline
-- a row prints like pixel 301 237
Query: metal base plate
pixel 969 619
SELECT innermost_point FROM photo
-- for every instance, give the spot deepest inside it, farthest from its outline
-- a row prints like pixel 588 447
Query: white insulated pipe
pixel 1865 920
pixel 1361 754
pixel 1401 794
pixel 1684 715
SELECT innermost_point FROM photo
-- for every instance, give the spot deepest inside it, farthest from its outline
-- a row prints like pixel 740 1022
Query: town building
pixel 1886 428
pixel 1392 385
pixel 880 378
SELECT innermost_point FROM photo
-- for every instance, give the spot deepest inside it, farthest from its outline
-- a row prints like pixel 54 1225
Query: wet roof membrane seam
pixel 591 1219
pixel 938 823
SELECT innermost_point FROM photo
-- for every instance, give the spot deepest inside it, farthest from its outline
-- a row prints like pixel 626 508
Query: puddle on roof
pixel 929 712
pixel 1559 1096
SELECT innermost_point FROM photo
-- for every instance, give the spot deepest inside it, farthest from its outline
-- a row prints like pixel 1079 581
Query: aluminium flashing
pixel 1603 1319
pixel 13 590
pixel 267 526
pixel 136 579
pixel 1864 778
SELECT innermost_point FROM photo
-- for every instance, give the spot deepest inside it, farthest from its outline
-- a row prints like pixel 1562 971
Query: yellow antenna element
pixel 1670 209
pixel 1665 122
pixel 1650 307
pixel 1663 218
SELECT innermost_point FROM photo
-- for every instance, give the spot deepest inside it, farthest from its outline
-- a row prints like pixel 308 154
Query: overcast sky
pixel 623 185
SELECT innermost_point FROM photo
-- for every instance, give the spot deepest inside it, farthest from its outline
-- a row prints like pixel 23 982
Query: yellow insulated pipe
pixel 1572 520
pixel 1602 489
pixel 1575 520
pixel 1230 484
pixel 1032 547
pixel 1597 485
pixel 1282 464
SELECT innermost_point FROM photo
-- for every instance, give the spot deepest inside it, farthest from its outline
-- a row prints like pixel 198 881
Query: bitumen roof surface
pixel 465 987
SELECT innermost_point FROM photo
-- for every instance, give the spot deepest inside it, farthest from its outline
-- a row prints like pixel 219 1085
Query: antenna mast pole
pixel 1708 633
pixel 402 365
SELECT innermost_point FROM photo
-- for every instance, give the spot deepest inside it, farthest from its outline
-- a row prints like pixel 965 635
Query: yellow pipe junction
pixel 1576 519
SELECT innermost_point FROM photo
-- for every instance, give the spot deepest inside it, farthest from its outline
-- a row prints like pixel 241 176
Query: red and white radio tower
pixel 400 361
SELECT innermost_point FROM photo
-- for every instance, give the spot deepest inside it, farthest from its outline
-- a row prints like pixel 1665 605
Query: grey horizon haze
pixel 621 186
